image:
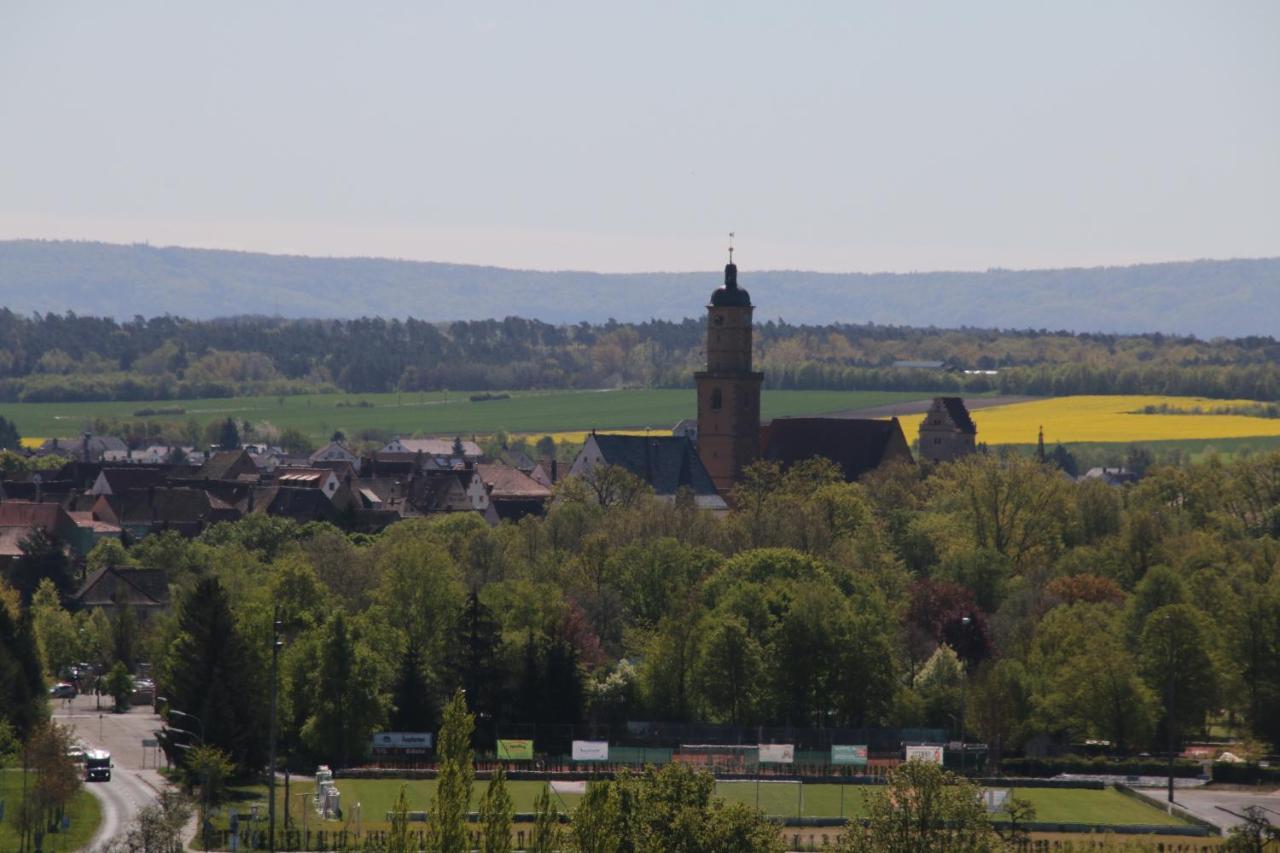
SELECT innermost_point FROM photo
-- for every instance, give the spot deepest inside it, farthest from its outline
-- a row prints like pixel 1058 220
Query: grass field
pixel 318 415
pixel 1071 420
pixel 85 815
pixel 780 799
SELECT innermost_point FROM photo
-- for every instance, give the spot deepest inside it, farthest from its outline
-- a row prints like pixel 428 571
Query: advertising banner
pixel 567 787
pixel 777 753
pixel 590 750
pixel 855 755
pixel 515 750
pixel 929 754
pixel 409 743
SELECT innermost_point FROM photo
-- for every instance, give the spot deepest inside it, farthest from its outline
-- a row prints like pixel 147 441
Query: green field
pixel 318 415
pixel 779 799
pixel 85 815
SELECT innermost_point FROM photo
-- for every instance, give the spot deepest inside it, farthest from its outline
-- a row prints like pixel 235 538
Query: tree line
pixel 66 357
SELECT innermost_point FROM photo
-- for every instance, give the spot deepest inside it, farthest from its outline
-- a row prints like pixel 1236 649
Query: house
pixel 668 464
pixel 322 479
pixel 502 492
pixel 857 445
pixel 17 518
pixel 228 465
pixel 114 481
pixel 441 491
pixel 111 587
pixel 546 472
pixel 142 511
pixel 947 431
pixel 87 448
pixel 299 503
pixel 336 451
pixel 1111 476
pixel 434 447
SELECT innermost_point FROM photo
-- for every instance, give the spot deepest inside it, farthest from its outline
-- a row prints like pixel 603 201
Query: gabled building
pixel 143 511
pixel 667 463
pixel 502 492
pixel 112 587
pixel 947 431
pixel 115 481
pixel 336 451
pixel 228 465
pixel 858 446
pixel 17 518
pixel 435 448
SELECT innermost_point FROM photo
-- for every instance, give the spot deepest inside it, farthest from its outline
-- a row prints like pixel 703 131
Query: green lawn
pixel 318 415
pixel 85 815
pixel 1196 449
pixel 780 799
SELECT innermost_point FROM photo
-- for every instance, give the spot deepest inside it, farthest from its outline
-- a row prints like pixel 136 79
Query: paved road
pixel 134 780
pixel 1225 808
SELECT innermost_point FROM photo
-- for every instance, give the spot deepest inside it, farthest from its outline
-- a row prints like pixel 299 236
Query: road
pixel 1225 806
pixel 134 779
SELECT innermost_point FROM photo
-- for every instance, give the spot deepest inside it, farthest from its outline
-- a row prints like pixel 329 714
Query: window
pixel 716 399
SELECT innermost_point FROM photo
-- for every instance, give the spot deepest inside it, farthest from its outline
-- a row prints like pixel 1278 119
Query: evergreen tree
pixel 9 438
pixel 413 707
pixel 210 673
pixel 124 636
pixel 447 823
pixel 496 815
pixel 562 683
pixel 346 705
pixel 22 690
pixel 229 436
pixel 43 556
pixel 475 661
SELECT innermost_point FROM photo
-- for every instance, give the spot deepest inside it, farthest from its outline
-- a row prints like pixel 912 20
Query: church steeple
pixel 728 390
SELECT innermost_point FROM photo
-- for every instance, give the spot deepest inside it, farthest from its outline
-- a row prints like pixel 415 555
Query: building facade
pixel 728 390
pixel 947 432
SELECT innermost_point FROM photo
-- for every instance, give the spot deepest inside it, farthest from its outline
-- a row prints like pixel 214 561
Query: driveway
pixel 1225 807
pixel 134 779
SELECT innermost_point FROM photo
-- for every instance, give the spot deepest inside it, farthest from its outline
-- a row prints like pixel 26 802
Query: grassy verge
pixel 85 814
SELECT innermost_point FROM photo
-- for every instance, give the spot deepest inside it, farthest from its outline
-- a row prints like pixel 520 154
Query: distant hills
pixel 1230 298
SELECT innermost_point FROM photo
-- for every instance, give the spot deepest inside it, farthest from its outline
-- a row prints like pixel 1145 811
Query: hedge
pixel 1097 766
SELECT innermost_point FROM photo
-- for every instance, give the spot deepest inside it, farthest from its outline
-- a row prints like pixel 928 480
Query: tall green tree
pixel 1177 651
pixel 546 834
pixel 414 707
pixel 229 435
pixel 447 823
pixel 210 674
pixel 496 814
pixel 44 555
pixel 347 704
pixel 730 671
pixel 9 438
pixel 22 690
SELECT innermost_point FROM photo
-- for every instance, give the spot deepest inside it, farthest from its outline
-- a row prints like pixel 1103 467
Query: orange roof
pixel 503 481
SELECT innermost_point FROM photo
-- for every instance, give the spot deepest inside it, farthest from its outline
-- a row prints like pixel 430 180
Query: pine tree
pixel 43 556
pixel 346 706
pixel 22 691
pixel 414 708
pixel 496 815
pixel 447 824
pixel 229 437
pixel 475 662
pixel 9 438
pixel 210 673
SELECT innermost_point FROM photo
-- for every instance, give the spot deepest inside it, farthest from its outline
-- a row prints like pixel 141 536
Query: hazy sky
pixel 611 136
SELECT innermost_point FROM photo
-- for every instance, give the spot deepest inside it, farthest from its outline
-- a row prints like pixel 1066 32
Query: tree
pixel 447 823
pixel 57 779
pixel 496 814
pixel 157 828
pixel 413 708
pixel 124 636
pixel 210 674
pixel 729 670
pixel 1176 652
pixel 346 704
pixel 120 686
pixel 9 438
pixel 229 435
pixel 295 442
pixel 398 837
pixel 44 555
pixel 55 629
pixel 922 809
pixel 545 837
pixel 209 768
pixel 475 663
pixel 23 701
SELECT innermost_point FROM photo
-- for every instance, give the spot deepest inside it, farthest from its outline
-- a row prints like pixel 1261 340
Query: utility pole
pixel 1168 701
pixel 271 760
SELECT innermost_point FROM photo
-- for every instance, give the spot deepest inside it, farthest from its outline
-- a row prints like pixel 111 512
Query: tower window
pixel 716 399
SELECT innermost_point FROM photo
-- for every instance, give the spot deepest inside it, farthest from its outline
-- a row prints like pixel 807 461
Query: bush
pixel 1245 774
pixel 1046 767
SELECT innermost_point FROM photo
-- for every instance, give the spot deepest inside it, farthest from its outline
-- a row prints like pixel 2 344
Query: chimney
pixel 395 491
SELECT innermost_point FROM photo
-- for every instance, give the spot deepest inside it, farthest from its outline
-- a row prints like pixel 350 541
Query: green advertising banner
pixel 515 750
pixel 855 755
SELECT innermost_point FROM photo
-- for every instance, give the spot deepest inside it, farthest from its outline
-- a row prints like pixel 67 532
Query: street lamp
pixel 271 760
pixel 965 621
pixel 1168 695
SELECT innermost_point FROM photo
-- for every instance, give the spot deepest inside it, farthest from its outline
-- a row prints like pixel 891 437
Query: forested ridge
pixel 1204 297
pixel 69 357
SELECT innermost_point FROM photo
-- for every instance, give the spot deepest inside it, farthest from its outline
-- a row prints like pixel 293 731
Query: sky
pixel 833 136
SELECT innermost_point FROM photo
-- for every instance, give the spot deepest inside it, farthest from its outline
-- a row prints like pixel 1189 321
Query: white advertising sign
pixel 590 750
pixel 777 753
pixel 929 754
pixel 567 787
pixel 402 740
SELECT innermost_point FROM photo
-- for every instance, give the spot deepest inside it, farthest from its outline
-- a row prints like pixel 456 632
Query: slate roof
pixel 173 505
pixel 668 463
pixel 959 414
pixel 501 510
pixel 111 585
pixel 857 445
pixel 132 477
pixel 25 515
pixel 301 504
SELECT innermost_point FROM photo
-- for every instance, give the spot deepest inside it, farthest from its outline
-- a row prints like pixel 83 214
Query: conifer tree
pixel 413 707
pixel 22 691
pixel 346 705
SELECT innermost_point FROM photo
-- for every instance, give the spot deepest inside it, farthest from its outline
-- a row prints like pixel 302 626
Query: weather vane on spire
pixel 730 247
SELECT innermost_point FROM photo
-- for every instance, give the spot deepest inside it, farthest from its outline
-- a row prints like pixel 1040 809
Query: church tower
pixel 728 390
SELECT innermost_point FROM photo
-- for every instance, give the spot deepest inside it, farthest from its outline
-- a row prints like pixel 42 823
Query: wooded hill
pixel 1206 298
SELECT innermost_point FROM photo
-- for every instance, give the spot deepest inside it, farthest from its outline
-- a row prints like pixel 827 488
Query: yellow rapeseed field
pixel 580 436
pixel 31 443
pixel 1088 418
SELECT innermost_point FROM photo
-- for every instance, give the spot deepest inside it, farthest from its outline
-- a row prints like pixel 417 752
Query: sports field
pixel 779 799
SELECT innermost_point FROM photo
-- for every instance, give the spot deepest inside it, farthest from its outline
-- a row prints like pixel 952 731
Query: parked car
pixel 63 690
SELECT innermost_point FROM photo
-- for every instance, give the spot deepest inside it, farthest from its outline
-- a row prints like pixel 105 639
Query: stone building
pixel 947 432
